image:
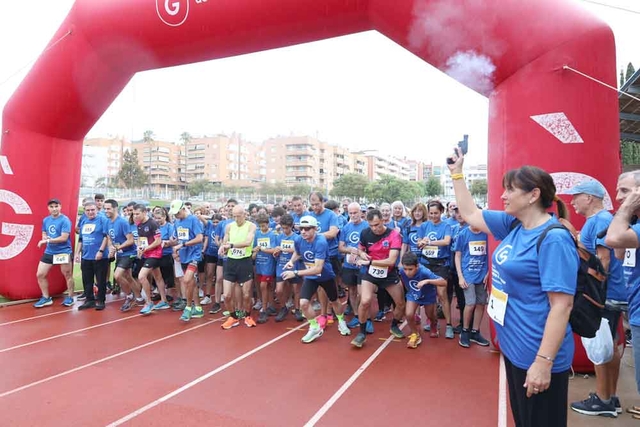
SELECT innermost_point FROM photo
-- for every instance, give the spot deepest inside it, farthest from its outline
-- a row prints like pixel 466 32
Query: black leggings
pixel 98 269
pixel 548 408
pixel 309 287
pixel 166 270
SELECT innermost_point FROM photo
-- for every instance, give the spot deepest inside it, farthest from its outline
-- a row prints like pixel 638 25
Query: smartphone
pixel 463 145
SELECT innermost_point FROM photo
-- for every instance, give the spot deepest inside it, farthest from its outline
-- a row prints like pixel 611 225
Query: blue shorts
pixel 425 296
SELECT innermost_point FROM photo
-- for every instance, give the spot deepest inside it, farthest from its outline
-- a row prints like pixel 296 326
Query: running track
pixel 63 367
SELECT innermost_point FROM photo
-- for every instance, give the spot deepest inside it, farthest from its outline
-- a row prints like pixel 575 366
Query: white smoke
pixel 472 70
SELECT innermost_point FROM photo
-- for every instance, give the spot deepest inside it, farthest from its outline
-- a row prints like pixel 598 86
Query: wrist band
pixel 455 176
pixel 547 358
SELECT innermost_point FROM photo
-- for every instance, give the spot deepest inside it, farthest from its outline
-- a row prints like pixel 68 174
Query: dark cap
pixel 53 202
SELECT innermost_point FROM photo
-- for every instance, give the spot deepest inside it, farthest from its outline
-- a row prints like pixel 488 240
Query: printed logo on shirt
pixel 503 254
pixel 354 237
pixel 413 285
pixel 385 244
pixel 432 236
pixel 52 230
pixel 309 256
pixel 112 233
pixel 414 238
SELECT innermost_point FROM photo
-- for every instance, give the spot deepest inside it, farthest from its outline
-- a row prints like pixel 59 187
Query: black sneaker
pixel 475 337
pixel 464 339
pixel 457 329
pixel 215 308
pixel 359 340
pixel 87 305
pixel 298 315
pixel 616 403
pixel 155 297
pixel 99 305
pixel 263 317
pixel 282 314
pixel 81 297
pixel 595 406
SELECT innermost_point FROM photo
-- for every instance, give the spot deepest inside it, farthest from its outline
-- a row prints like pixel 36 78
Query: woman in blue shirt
pixel 532 291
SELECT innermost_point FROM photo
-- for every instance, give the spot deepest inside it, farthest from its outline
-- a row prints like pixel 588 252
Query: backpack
pixel 591 287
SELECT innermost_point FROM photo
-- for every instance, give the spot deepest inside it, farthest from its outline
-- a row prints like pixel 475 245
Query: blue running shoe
pixel 186 314
pixel 161 306
pixel 147 309
pixel 354 323
pixel 380 316
pixel 43 302
pixel 369 327
pixel 68 302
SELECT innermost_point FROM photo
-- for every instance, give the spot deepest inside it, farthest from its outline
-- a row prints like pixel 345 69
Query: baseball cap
pixel 308 221
pixel 175 207
pixel 371 206
pixel 592 188
pixel 53 201
pixel 363 208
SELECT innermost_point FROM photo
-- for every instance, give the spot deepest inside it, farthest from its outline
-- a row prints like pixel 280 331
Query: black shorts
pixel 351 276
pixel 439 270
pixel 48 259
pixel 613 316
pixel 221 262
pixel 211 259
pixel 336 264
pixel 201 266
pixel 125 262
pixel 151 263
pixel 309 287
pixel 392 279
pixel 238 270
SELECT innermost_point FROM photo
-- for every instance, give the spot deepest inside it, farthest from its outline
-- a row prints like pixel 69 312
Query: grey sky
pixel 361 91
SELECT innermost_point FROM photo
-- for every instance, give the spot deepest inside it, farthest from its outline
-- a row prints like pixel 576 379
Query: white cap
pixel 308 221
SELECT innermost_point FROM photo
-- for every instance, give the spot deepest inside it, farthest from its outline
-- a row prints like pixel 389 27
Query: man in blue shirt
pixel 56 229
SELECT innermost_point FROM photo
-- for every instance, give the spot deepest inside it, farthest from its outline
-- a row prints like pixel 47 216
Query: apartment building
pixel 379 164
pixel 102 159
pixel 471 173
pixel 161 161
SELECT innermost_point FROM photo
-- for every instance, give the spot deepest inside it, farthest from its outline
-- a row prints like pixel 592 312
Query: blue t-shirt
pixel 455 231
pixel 526 275
pixel 311 251
pixel 134 231
pixel 285 242
pixel 342 221
pixel 54 227
pixel 410 237
pixel 435 232
pixel 616 288
pixel 118 231
pixel 632 272
pixel 184 230
pixel 296 220
pixel 402 223
pixel 424 295
pixel 212 245
pixel 93 231
pixel 265 263
pixel 474 249
pixel 350 235
pixel 326 220
pixel 166 232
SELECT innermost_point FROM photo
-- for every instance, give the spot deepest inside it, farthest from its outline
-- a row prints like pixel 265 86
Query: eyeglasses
pixel 305 228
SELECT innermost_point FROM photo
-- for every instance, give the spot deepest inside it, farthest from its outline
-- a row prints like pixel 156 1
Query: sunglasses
pixel 305 228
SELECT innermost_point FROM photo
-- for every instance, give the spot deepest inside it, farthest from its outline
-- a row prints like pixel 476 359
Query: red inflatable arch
pixel 510 50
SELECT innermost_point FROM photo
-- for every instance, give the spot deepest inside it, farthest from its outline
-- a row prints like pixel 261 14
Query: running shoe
pixel 298 315
pixel 263 317
pixel 43 302
pixel 272 311
pixel 354 323
pixel 464 339
pixel 282 314
pixel 359 340
pixel 380 316
pixel 87 304
pixel 197 313
pixel 231 322
pixel 100 305
pixel 249 322
pixel 343 328
pixel 593 405
pixel 312 335
pixel 475 337
pixel 457 329
pixel 330 319
pixel 215 308
pixel 615 401
pixel 186 314
pixel 205 301
pixel 128 303
pixel 68 302
pixel 369 327
pixel 396 332
pixel 414 340
pixel 147 309
pixel 161 306
pixel 82 297
pixel 427 327
pixel 448 333
pixel 140 301
pixel 179 305
pixel 226 313
pixel 435 333
pixel 257 306
pixel 322 321
pixel 348 311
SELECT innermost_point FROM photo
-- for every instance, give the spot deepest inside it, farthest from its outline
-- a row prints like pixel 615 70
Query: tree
pixel 479 189
pixel 433 187
pixel 630 152
pixel 350 185
pixel 199 187
pixel 630 71
pixel 389 189
pixel 300 189
pixel 131 174
pixel 621 77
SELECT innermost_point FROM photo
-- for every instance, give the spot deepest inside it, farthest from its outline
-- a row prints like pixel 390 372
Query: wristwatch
pixel 295 272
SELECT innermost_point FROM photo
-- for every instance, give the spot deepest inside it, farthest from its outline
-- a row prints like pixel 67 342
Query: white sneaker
pixel 205 301
pixel 258 306
pixel 343 328
pixel 312 334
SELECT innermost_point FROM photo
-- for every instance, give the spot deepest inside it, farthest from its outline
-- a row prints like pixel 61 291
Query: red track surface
pixel 283 384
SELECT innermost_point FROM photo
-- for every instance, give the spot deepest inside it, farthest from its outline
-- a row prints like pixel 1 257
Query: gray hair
pixel 635 174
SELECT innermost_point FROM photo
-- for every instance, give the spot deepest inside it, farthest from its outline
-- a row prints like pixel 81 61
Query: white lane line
pixel 502 395
pixel 200 379
pixel 50 314
pixel 104 359
pixel 68 333
pixel 325 408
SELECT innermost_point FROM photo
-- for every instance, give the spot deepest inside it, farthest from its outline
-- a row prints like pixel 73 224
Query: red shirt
pixel 379 246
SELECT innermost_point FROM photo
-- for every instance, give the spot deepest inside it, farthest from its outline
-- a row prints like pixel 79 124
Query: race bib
pixel 238 252
pixel 88 228
pixel 61 259
pixel 497 306
pixel 143 242
pixel 264 243
pixel 478 248
pixel 629 258
pixel 352 259
pixel 310 265
pixel 287 244
pixel 430 251
pixel 378 272
pixel 183 233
